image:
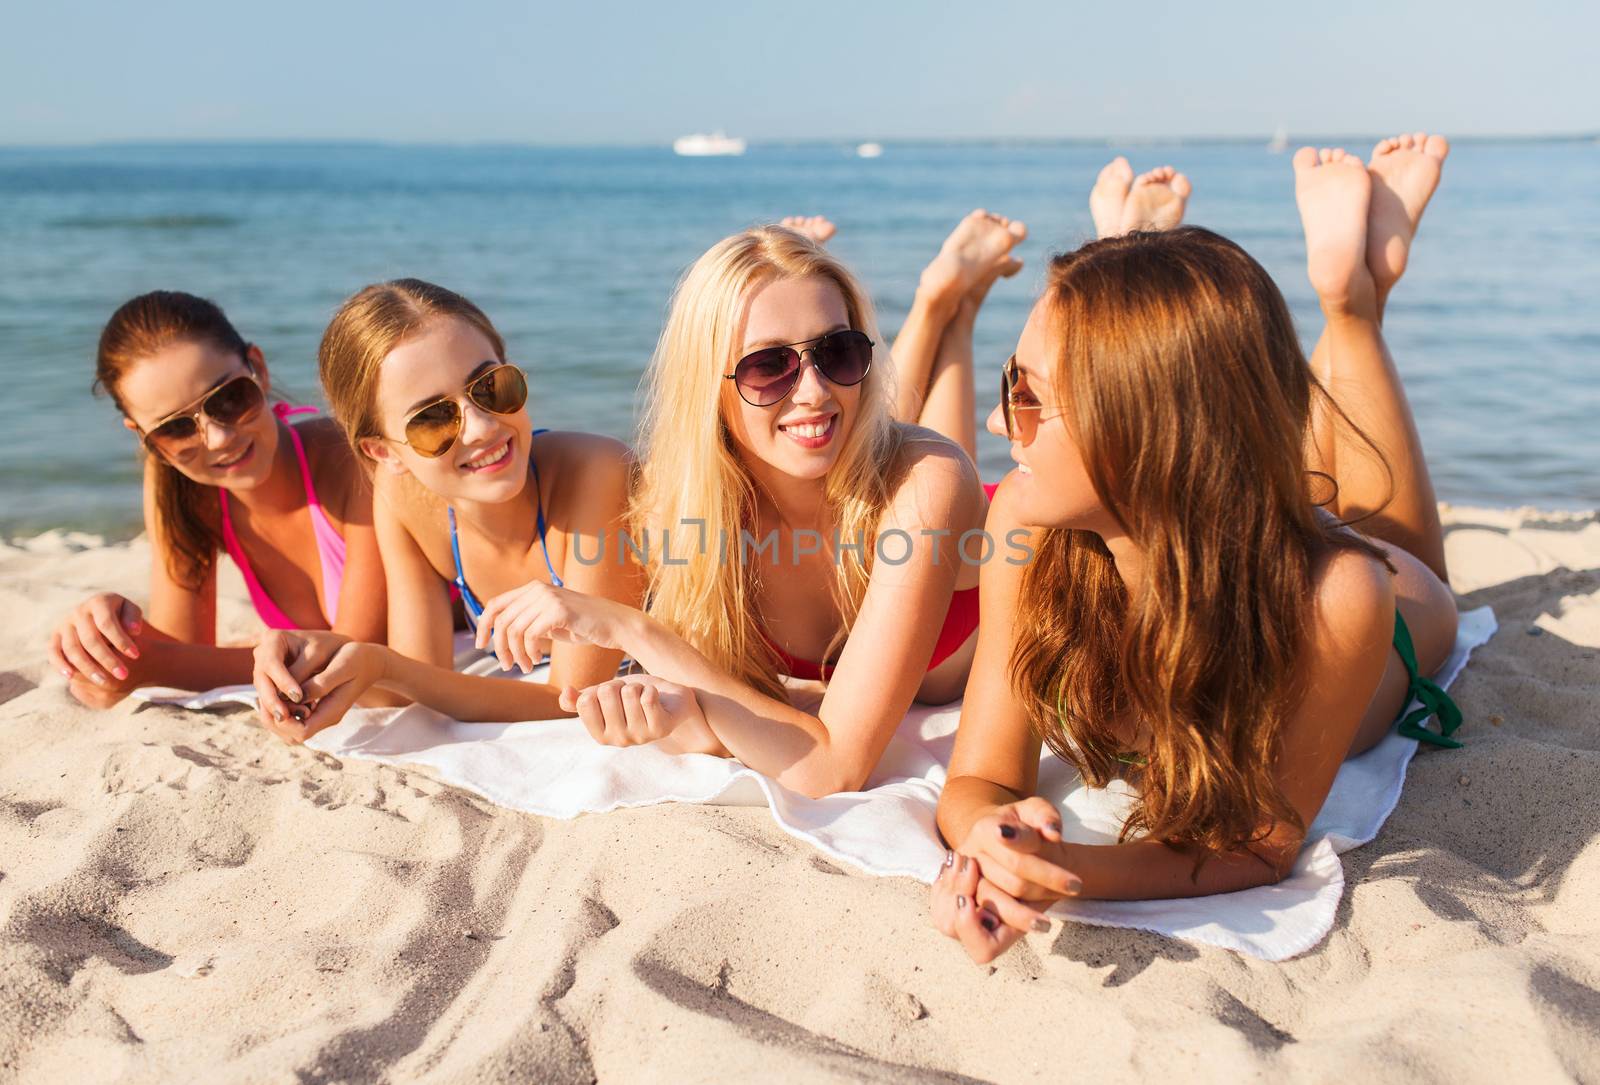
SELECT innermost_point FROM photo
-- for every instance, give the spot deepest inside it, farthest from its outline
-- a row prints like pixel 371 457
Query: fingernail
pixel 1055 827
pixel 988 922
pixel 961 902
pixel 136 628
pixel 1008 831
pixel 1041 924
pixel 64 672
pixel 963 868
pixel 121 672
pixel 132 652
pixel 98 680
pixel 296 694
pixel 949 858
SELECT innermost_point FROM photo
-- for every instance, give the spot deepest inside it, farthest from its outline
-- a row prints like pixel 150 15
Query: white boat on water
pixel 869 150
pixel 1280 140
pixel 702 144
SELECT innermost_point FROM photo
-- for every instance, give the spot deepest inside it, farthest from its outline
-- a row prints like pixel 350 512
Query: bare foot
pixel 1405 171
pixel 977 252
pixel 1110 192
pixel 1333 191
pixel 816 227
pixel 1156 201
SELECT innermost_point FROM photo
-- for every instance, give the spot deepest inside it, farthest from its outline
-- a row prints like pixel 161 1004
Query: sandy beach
pixel 182 897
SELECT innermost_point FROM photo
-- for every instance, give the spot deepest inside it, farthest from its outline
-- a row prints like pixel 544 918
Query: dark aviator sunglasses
pixel 768 375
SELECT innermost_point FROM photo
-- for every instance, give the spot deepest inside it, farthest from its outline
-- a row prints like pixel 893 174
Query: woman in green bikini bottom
pixel 1239 579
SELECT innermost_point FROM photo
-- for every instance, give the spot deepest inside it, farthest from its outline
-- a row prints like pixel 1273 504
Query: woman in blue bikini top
pixel 471 501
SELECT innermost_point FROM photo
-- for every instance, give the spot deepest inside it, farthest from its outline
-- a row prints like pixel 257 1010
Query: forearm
pixel 165 661
pixel 1151 870
pixel 472 698
pixel 965 800
pixel 771 736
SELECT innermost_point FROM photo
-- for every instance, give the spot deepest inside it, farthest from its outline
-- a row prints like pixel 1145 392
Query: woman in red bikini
pixel 792 525
pixel 223 472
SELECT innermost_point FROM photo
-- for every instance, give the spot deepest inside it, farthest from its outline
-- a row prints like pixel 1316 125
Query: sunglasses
pixel 232 403
pixel 432 429
pixel 1016 428
pixel 767 376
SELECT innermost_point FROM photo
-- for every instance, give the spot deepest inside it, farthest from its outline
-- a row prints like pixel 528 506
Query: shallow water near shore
pixel 574 252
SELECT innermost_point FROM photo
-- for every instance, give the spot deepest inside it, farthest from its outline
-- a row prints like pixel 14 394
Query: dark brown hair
pixel 1190 400
pixel 140 329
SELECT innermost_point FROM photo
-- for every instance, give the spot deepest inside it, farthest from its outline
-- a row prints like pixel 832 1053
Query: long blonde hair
pixel 1190 401
pixel 690 469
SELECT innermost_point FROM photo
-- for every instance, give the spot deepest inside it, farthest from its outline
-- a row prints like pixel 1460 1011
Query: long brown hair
pixel 371 323
pixel 1190 400
pixel 141 328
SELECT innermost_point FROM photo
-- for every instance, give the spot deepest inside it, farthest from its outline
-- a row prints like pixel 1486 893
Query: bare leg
pixel 1335 192
pixel 950 406
pixel 977 252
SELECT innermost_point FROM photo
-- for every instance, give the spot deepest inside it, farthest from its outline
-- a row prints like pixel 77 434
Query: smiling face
pixel 177 378
pixel 1052 484
pixel 801 434
pixel 488 461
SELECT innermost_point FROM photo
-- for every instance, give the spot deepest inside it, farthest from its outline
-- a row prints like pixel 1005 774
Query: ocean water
pixel 573 253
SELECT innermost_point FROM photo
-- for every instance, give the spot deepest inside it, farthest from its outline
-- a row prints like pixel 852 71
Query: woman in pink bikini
pixel 223 472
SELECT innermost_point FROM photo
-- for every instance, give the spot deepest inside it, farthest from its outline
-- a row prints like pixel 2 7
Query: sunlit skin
pixel 486 478
pixel 690 706
pixel 110 646
pixel 1009 858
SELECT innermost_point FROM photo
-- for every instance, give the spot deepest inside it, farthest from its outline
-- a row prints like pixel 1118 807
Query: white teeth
pixel 809 429
pixel 489 458
pixel 236 459
pixel 1024 468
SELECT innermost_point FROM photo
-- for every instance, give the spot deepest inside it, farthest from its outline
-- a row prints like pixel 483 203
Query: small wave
pixel 148 222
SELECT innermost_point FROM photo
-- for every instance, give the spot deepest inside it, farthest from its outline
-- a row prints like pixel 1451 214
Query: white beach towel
pixel 554 769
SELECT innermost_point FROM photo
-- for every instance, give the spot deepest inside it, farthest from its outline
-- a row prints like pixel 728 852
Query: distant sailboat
pixel 1280 140
pixel 702 144
pixel 869 150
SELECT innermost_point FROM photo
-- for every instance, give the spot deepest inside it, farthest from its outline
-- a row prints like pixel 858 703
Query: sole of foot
pixel 1333 191
pixel 1109 194
pixel 977 252
pixel 816 227
pixel 1405 170
pixel 1156 200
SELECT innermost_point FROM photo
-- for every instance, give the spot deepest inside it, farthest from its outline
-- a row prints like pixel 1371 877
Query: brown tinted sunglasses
pixel 231 403
pixel 432 429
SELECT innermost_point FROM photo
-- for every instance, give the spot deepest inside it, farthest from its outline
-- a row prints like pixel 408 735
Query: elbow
pixel 833 777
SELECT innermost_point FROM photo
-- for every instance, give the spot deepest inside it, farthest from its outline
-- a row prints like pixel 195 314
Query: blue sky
pixel 487 70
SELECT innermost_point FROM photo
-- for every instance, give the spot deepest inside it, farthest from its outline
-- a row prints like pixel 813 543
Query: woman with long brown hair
pixel 472 500
pixel 1201 618
pixel 224 472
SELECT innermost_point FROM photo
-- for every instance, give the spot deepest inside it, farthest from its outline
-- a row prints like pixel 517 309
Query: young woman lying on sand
pixel 469 495
pixel 223 472
pixel 1194 621
pixel 769 414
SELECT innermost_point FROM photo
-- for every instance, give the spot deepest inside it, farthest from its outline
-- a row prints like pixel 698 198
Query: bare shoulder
pixel 1354 600
pixel 586 478
pixel 933 473
pixel 587 456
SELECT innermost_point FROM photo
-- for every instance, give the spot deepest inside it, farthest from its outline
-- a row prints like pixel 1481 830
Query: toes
pixel 1181 186
pixel 1384 146
pixel 1116 173
pixel 1019 230
pixel 1436 147
pixel 1305 158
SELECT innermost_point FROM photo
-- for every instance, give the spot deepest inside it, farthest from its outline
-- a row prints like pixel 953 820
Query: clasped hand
pixel 993 888
pixel 307 680
pixel 514 624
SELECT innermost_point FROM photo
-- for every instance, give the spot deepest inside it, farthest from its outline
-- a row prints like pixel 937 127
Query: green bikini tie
pixel 1435 701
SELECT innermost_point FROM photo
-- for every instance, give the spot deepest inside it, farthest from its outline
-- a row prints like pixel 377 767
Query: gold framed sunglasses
pixel 433 428
pixel 231 403
pixel 1010 377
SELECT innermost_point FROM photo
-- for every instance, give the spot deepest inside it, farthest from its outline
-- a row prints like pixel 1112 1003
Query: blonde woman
pixel 472 500
pixel 794 527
